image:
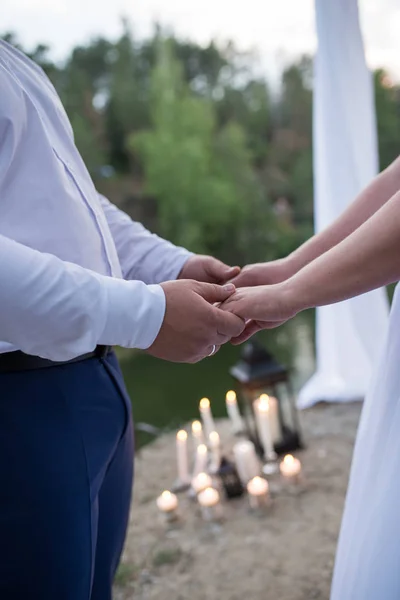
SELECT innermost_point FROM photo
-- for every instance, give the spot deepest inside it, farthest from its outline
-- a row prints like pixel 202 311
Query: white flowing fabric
pixel 368 556
pixel 349 334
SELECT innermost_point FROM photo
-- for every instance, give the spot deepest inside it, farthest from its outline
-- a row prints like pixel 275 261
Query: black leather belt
pixel 11 362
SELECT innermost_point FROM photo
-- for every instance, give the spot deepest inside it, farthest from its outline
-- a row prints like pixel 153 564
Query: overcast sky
pixel 277 29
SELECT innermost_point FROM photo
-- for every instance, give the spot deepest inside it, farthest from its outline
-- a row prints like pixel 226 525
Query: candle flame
pixel 231 397
pixel 204 403
pixel 263 403
pixel 289 459
pixel 181 435
pixel 208 497
pixel 257 486
pixel 202 449
pixel 201 482
pixel 196 427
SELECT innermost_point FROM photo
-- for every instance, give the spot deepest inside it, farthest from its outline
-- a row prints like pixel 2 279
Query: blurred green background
pixel 193 141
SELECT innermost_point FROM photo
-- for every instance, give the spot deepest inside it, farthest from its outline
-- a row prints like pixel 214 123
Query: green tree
pixel 201 176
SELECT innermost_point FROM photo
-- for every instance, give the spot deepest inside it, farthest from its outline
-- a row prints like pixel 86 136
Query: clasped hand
pixel 262 306
pixel 201 314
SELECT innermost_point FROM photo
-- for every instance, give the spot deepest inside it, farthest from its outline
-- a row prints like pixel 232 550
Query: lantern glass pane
pixel 286 406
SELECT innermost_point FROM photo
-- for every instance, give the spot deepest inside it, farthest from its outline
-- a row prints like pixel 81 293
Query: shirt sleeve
pixel 58 310
pixel 143 255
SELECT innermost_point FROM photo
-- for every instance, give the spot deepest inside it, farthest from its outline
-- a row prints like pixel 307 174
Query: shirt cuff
pixel 177 264
pixel 135 313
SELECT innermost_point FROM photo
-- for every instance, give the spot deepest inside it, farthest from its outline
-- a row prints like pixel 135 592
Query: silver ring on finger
pixel 213 350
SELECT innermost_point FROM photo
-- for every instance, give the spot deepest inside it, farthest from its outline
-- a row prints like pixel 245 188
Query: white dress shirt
pixel 64 248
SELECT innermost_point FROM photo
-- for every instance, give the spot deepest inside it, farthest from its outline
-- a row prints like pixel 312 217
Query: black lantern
pixel 230 480
pixel 257 373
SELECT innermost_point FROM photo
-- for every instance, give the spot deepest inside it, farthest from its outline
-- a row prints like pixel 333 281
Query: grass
pixel 124 575
pixel 169 556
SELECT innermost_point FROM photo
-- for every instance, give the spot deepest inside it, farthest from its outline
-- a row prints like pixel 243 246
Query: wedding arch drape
pixel 350 334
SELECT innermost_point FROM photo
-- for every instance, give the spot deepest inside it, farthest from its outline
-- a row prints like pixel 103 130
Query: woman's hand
pixel 263 307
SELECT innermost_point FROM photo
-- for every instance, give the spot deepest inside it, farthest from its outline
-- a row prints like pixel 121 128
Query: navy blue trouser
pixel 66 468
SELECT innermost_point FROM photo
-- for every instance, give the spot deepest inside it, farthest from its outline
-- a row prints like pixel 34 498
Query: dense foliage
pixel 193 142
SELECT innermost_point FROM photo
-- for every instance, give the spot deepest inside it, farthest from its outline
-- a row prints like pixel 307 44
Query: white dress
pixel 368 556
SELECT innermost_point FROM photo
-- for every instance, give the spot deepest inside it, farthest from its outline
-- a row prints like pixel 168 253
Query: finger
pixel 250 329
pixel 228 324
pixel 200 357
pixel 215 293
pixel 241 279
pixel 220 272
pixel 253 327
pixel 212 350
pixel 222 339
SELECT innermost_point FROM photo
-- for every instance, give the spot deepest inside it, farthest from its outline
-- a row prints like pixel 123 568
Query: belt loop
pixel 102 351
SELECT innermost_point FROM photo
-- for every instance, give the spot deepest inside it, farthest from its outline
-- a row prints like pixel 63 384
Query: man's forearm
pixel 380 190
pixel 367 259
pixel 143 256
pixel 58 310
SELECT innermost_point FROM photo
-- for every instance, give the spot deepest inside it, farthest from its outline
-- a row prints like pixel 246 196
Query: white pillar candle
pixel 273 413
pixel 257 489
pixel 290 468
pixel 261 407
pixel 197 433
pixel 167 504
pixel 200 463
pixel 182 456
pixel 210 505
pixel 233 411
pixel 201 482
pixel 206 416
pixel 247 463
pixel 215 447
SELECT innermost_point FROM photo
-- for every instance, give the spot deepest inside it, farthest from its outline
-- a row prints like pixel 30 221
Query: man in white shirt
pixel 77 276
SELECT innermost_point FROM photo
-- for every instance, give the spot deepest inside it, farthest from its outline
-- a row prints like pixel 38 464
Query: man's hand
pixel 208 269
pixel 192 325
pixel 265 273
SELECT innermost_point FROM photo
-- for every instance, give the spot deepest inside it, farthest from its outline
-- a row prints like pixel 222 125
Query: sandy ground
pixel 287 554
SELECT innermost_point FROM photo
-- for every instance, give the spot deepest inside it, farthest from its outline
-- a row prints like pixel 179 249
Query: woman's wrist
pixel 292 298
pixel 296 261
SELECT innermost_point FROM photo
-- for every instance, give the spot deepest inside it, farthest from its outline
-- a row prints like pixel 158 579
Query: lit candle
pixel 262 411
pixel 200 464
pixel 274 422
pixel 258 492
pixel 215 447
pixel 290 468
pixel 208 497
pixel 201 482
pixel 167 504
pixel 182 457
pixel 206 415
pixel 197 432
pixel 247 463
pixel 210 506
pixel 233 411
